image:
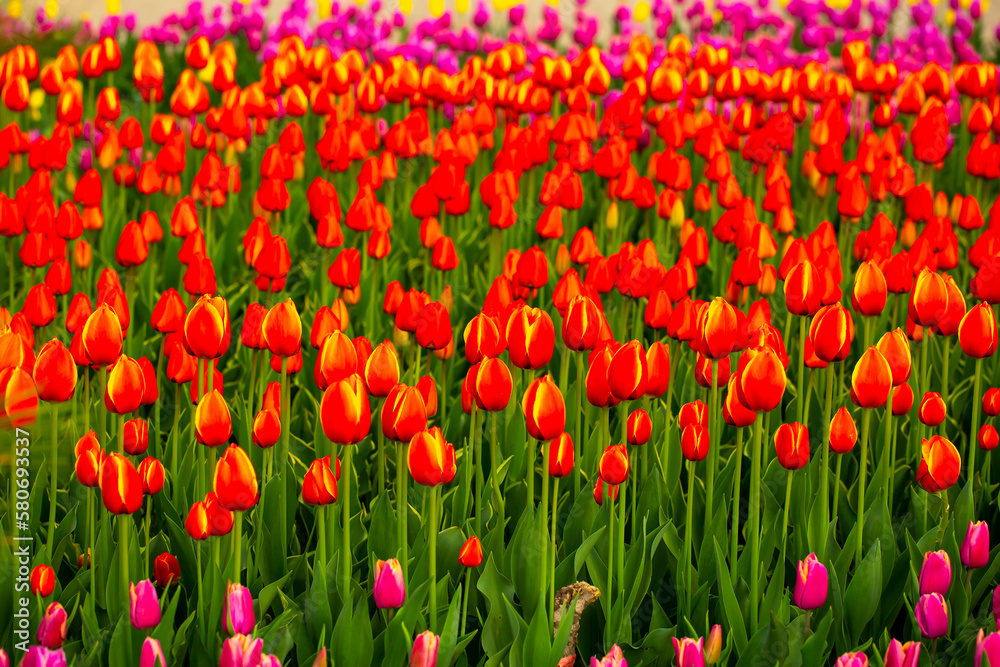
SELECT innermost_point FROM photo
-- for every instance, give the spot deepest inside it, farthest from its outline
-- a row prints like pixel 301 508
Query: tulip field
pixel 503 337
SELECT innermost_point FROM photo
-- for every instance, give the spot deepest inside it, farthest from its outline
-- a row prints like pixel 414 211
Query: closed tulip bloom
pixel 832 331
pixel 121 488
pixel 688 652
pixel 282 329
pixel 932 409
pixel 237 610
pixel 425 650
pixel 144 605
pixel 639 428
pixel 266 428
pixel 761 379
pixel 614 465
pixel 902 400
pixel 870 290
pixel 433 329
pixel 52 627
pixel 658 369
pixel 382 370
pixel 852 659
pixel 389 589
pixel 404 413
pixel 928 299
pixel 252 333
pixel 42 580
pixel 843 432
pixel 136 437
pixel 977 333
pixel 582 324
pixel 242 651
pixel 988 438
pixel 337 360
pixel 991 402
pixel 598 388
pixel 791 442
pixel 319 486
pixel 895 347
pixel 935 573
pixel 719 330
pixel 560 455
pixel 482 338
pixel 735 413
pixel 493 384
pixel 345 411
pixel 89 457
pixel 996 605
pixel 531 338
pixel 544 409
pixel 125 386
pixel 39 656
pixel 196 524
pixel 152 476
pixel 627 372
pixel 615 657
pixel 235 481
pixel 932 616
pixel 166 570
pixel 102 336
pixel 152 654
pixel 471 553
pixel 902 655
pixel 54 373
pixel 169 312
pixel 206 328
pixel 989 646
pixel 976 545
pixel 871 380
pixel 345 271
pixel 694 442
pixel 811 584
pixel 804 286
pixel 940 464
pixel 430 458
pixel 213 424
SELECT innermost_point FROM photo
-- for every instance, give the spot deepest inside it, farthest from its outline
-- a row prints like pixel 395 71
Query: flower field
pixel 342 338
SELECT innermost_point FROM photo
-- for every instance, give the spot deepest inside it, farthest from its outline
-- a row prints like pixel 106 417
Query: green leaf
pixel 449 634
pixel 863 593
pixel 732 614
pixel 537 644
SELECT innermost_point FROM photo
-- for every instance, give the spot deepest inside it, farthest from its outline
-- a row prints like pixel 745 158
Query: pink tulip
pixel 52 627
pixel 689 653
pixel 902 655
pixel 852 660
pixel 811 584
pixel 237 610
pixel 389 589
pixel 996 606
pixel 152 654
pixel 425 650
pixel 932 615
pixel 269 661
pixel 39 656
pixel 614 658
pixel 4 660
pixel 976 545
pixel 144 605
pixel 988 644
pixel 935 573
pixel 241 651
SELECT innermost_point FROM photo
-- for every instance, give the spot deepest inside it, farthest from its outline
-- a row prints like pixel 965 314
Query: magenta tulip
pixel 614 658
pixel 52 627
pixel 976 545
pixel 811 584
pixel 237 610
pixel 425 650
pixel 689 653
pixel 144 605
pixel 389 589
pixel 935 573
pixel 988 645
pixel 241 651
pixel 152 654
pixel 852 660
pixel 932 615
pixel 902 655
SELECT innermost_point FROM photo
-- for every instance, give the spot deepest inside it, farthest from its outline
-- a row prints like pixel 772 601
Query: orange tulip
pixel 870 290
pixel 932 410
pixel 89 457
pixel 102 336
pixel 136 437
pixel 832 331
pixel 895 347
pixel 471 553
pixel 614 465
pixel 493 384
pixel 582 326
pixel 235 480
pixel 482 338
pixel 266 428
pixel 125 386
pixel 928 299
pixel 121 488
pixel 871 380
pixel 561 456
pixel 720 329
pixel 382 370
pixel 791 443
pixel 977 333
pixel 843 432
pixel 54 373
pixel 213 424
pixel 544 409
pixel 430 458
pixel 282 329
pixel 319 486
pixel 152 475
pixel 345 412
pixel 531 338
pixel 206 328
pixel 694 442
pixel 940 464
pixel 196 524
pixel 761 379
pixel 337 360
pixel 804 289
pixel 628 372
pixel 639 428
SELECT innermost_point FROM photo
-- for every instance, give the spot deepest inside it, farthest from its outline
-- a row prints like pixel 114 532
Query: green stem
pixel 381 457
pixel 974 432
pixel 92 521
pixel 552 554
pixel 146 521
pixel 800 396
pixel 836 487
pixel 611 559
pixel 402 506
pixel 713 445
pixel 737 478
pixel 237 546
pixel 689 537
pixel 531 455
pixel 578 441
pixel 784 522
pixel 477 462
pixel 432 552
pixel 123 557
pixel 755 523
pixel 54 482
pixel 862 472
pixel 345 571
pixel 824 497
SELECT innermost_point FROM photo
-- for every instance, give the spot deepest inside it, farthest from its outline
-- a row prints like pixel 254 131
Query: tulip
pixel 241 651
pixel 639 428
pixel 493 384
pixel 125 386
pixel 381 370
pixel 431 460
pixel 471 553
pixel 121 487
pixel 39 656
pixel 282 329
pixel 425 650
pixel 687 652
pixel 852 660
pixel 902 400
pixel 811 584
pixel 843 432
pixel 389 589
pixel 561 455
pixel 220 520
pixel 977 333
pixel 237 610
pixel 902 655
pixel 791 442
pixel 319 486
pixel 544 409
pixel 928 299
pixel 151 475
pixel 43 581
pixel 988 438
pixel 694 442
pixel 615 657
pixel 144 605
pixel 166 570
pixel 530 336
pixel 54 373
pixel 832 331
pixel 582 324
pixel 932 409
pixel 433 328
pixel 720 329
pixel 102 336
pixel 988 645
pixel 213 424
pixel 932 615
pixel 614 465
pixel 871 380
pixel 152 654
pixel 52 627
pixel 266 428
pixel 976 545
pixel 762 379
pixel 870 290
pixel 136 437
pixel 895 347
pixel 235 481
pixel 628 372
pixel 940 464
pixel 345 412
pixel 935 573
pixel 206 328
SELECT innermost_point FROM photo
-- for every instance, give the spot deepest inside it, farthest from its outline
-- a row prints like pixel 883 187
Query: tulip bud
pixel 928 299
pixel 935 573
pixel 628 372
pixel 213 425
pixel 430 458
pixel 902 400
pixel 319 486
pixel 977 333
pixel 544 409
pixel 471 553
pixel 989 646
pixel 639 428
pixel 932 409
pixel 197 524
pixel 389 589
pixel 121 487
pixel 345 412
pixel 151 475
pixel 895 347
pixel 599 491
pixel 166 570
pixel 493 384
pixel 266 428
pixel 561 456
pixel 761 379
pixel 988 438
pixel 102 336
pixel 857 659
pixel 52 627
pixel 940 464
pixel 152 654
pixel 871 380
pixel 144 605
pixel 282 329
pixel 235 481
pixel 976 545
pixel 425 650
pixel 694 442
pixel 237 610
pixel 615 657
pixel 54 373
pixel 811 584
pixel 530 336
pixel 220 520
pixel 687 651
pixel 614 465
pixel 843 432
pixel 932 616
pixel 713 645
pixel 902 655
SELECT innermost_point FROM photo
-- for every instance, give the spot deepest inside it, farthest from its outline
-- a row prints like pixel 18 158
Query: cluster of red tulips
pixel 693 247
